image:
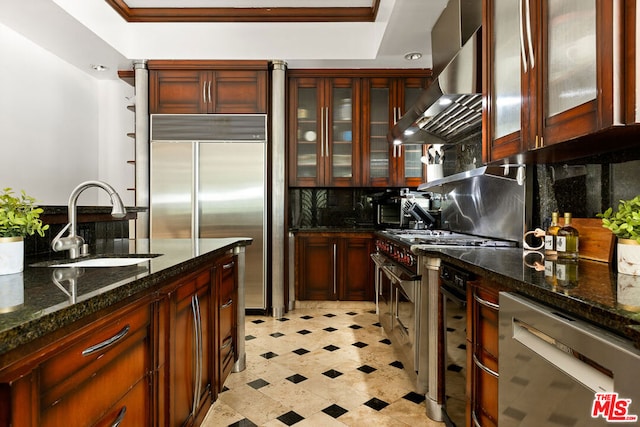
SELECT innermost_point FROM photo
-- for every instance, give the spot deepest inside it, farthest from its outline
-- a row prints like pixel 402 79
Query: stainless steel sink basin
pixel 105 260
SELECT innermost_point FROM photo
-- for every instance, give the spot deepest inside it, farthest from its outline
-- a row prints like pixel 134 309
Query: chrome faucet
pixel 72 242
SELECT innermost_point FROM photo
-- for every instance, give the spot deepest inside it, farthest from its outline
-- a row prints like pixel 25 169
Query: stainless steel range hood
pixel 450 109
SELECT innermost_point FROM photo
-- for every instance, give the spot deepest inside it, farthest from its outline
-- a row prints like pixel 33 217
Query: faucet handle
pixel 57 243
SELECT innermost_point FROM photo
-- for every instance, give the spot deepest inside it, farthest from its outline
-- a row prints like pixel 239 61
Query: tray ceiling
pixel 246 10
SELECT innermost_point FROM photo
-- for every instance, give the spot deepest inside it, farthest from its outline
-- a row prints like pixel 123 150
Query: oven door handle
pixel 390 275
pixel 453 297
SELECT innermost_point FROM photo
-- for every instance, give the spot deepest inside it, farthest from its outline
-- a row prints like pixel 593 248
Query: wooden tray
pixel 596 242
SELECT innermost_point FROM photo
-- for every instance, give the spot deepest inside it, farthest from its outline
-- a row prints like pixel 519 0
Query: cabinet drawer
pixel 77 389
pixel 131 410
pixel 227 279
pixel 87 395
pixel 117 336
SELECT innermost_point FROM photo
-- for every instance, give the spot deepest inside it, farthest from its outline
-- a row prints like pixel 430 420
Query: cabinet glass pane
pixel 342 135
pixel 507 98
pixel 571 54
pixel 307 133
pixel 412 164
pixel 378 128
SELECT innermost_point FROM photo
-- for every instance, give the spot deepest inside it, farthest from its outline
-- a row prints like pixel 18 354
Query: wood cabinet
pixel 157 360
pixel 338 122
pixel 334 266
pixel 196 87
pixel 551 73
pixel 385 100
pixel 59 384
pixel 227 309
pixel 322 129
pixel 482 353
pixel 190 362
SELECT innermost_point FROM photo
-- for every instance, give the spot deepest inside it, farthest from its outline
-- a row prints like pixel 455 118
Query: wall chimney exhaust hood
pixel 450 109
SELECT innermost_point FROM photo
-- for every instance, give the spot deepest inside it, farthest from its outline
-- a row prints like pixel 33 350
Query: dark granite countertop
pixel 50 301
pixel 597 295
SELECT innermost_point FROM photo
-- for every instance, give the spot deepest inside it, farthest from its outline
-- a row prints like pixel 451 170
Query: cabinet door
pixel 306 119
pixel 356 281
pixel 575 44
pixel 385 101
pixel 504 82
pixel 178 91
pixel 190 342
pixel 316 272
pixel 324 141
pixel 410 171
pixel 234 92
pixel 341 137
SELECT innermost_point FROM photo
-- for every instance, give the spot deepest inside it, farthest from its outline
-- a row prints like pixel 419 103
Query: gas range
pixel 444 238
pixel 395 244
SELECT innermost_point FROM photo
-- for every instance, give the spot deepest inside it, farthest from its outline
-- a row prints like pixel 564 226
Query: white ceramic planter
pixel 11 292
pixel 628 257
pixel 11 255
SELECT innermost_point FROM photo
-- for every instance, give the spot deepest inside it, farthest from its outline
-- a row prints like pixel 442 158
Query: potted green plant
pixel 625 225
pixel 19 217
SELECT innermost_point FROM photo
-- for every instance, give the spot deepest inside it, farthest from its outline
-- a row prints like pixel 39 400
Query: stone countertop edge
pixel 108 292
pixel 621 322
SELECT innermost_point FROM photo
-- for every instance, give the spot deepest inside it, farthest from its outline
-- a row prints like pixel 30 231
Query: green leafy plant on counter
pixel 625 223
pixel 19 215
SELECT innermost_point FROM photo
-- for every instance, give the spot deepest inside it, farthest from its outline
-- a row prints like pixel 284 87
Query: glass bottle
pixel 550 250
pixel 567 240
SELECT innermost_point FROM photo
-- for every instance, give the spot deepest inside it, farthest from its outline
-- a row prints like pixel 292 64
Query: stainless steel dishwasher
pixel 561 371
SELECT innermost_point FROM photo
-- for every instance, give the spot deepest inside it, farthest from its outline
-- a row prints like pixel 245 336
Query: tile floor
pixel 330 365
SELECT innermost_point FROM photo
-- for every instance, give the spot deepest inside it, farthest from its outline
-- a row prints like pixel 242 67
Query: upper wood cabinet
pixel 323 131
pixel 196 87
pixel 338 122
pixel 552 72
pixel 385 100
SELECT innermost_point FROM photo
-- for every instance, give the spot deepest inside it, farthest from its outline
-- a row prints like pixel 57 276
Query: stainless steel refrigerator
pixel 208 179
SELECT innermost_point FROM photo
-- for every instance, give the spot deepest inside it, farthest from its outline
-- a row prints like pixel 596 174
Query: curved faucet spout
pixel 73 242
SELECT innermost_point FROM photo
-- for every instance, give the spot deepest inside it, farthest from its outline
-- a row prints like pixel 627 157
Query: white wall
pixel 59 126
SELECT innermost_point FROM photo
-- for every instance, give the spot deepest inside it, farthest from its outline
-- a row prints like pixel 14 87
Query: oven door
pixel 405 318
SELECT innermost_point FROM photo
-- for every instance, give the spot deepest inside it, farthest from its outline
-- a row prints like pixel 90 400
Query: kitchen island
pixel 154 340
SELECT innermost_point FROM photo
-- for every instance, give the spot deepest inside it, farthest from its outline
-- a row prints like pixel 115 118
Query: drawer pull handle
pixel 486 303
pixel 484 368
pixel 121 415
pixel 227 343
pixel 227 304
pixel 106 343
pixel 228 265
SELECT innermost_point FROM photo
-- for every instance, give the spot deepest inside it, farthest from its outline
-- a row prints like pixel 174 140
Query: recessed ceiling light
pixel 99 67
pixel 412 56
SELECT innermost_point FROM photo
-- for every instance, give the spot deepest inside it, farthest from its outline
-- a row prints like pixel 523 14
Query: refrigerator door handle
pixel 195 187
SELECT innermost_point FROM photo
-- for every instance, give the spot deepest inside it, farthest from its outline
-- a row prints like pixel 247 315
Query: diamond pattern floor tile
pixel 318 366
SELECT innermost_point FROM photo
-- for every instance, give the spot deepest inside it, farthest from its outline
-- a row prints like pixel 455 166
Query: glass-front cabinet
pixel 322 132
pixel 549 72
pixel 385 100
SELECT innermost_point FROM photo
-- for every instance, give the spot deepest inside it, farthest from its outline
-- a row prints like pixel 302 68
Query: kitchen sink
pixel 105 260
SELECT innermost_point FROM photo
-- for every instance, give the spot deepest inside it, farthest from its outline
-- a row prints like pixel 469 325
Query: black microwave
pixel 389 213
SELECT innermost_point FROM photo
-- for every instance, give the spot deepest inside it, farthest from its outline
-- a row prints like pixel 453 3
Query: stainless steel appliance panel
pixel 213 189
pixel 172 191
pixel 552 365
pixel 232 203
